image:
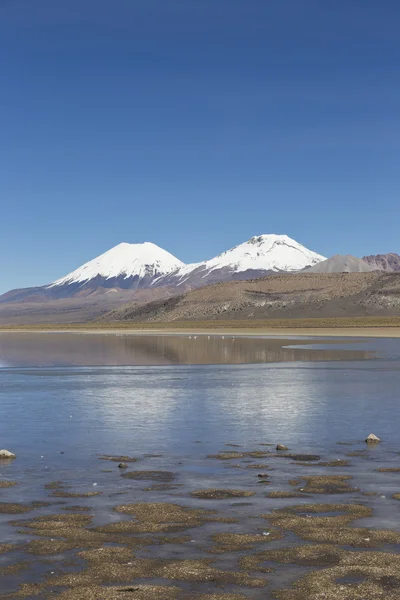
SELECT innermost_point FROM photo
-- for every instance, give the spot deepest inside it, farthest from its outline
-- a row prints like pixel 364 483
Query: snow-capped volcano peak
pixel 268 252
pixel 125 261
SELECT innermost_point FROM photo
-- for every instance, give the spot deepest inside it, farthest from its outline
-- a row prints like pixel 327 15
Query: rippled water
pixel 60 409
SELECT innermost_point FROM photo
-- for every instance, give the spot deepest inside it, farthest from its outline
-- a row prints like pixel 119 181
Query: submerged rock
pixel 282 447
pixel 122 466
pixel 372 439
pixel 6 454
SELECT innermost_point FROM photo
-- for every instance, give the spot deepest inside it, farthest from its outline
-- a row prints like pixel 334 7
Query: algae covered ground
pixel 314 533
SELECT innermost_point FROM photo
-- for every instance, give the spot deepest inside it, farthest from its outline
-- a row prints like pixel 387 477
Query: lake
pixel 196 413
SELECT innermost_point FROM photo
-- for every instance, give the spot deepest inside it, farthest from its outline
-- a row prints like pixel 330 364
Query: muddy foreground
pixel 243 523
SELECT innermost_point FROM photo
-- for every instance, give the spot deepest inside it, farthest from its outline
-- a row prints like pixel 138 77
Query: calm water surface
pixel 66 399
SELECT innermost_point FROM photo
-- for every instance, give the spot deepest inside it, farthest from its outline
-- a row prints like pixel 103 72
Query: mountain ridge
pixel 147 266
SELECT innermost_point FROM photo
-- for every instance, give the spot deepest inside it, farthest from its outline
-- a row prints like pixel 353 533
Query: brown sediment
pixel 301 516
pixel 362 453
pixel 227 455
pixel 77 508
pixel 54 520
pixel 61 494
pixel 231 542
pixel 319 555
pixel 72 528
pixel 331 463
pixel 183 539
pixel 13 569
pixel 119 459
pixel 40 504
pixel 201 570
pixel 253 563
pixel 369 493
pixel 300 457
pixel 47 547
pixel 55 485
pixel 120 592
pixel 235 455
pixel 327 484
pixel 156 517
pixel 257 466
pixel 107 554
pixel 294 481
pixel 7 548
pixel 129 527
pixel 257 454
pixel 219 494
pixel 150 475
pixel 7 484
pixel 11 508
pixel 396 496
pixel 333 528
pixel 162 512
pixel 358 537
pixel 359 575
pixel 162 487
pixel 214 597
pixel 109 565
pixel 26 591
pixel 388 470
pixel 222 519
pixel 278 494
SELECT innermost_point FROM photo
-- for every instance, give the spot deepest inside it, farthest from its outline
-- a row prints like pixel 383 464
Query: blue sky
pixel 195 124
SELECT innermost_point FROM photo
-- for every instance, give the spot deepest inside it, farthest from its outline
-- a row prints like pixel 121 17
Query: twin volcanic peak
pixel 136 266
pixel 147 266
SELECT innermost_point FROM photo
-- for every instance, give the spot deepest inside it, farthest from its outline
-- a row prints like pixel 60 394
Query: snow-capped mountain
pixel 265 252
pixel 129 265
pixel 147 266
pixel 258 256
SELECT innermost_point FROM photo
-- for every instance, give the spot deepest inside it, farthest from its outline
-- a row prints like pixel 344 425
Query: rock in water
pixel 372 439
pixel 6 454
pixel 122 466
pixel 281 447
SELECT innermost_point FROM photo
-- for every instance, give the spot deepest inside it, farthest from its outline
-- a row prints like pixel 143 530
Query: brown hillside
pixel 277 296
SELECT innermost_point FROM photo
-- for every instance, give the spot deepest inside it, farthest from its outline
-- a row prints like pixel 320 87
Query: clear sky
pixel 195 124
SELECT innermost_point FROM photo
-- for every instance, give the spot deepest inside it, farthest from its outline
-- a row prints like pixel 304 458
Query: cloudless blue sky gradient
pixel 195 124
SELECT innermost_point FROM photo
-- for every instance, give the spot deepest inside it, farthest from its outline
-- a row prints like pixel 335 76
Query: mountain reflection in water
pixel 64 349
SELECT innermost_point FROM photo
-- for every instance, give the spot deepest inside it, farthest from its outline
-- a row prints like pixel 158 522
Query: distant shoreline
pixel 355 331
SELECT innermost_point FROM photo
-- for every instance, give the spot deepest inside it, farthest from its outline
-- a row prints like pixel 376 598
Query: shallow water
pixel 59 415
pixel 71 349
